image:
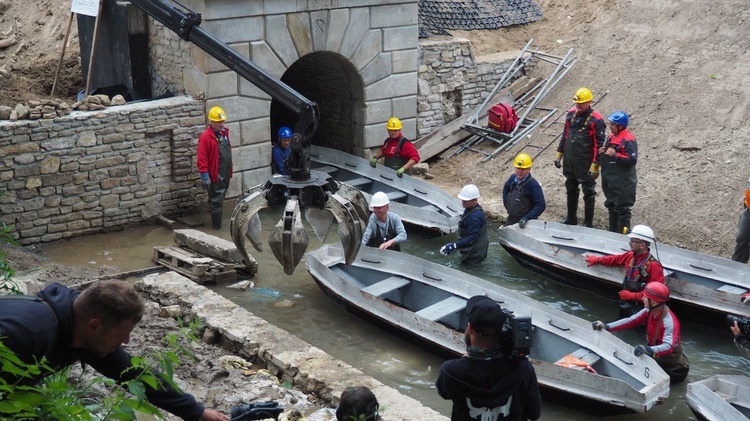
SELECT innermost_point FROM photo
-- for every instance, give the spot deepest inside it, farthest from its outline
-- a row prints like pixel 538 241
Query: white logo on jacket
pixel 487 414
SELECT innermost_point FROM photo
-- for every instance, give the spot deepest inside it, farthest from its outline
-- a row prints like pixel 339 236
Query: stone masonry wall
pixel 452 83
pixel 98 171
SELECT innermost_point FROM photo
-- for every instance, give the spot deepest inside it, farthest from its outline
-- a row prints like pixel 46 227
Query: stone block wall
pixel 99 171
pixel 452 82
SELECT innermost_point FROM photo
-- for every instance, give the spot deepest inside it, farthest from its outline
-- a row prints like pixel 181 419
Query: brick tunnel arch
pixel 335 85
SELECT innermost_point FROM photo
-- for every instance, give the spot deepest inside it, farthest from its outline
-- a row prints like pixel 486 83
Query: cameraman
pixel 741 341
pixel 486 380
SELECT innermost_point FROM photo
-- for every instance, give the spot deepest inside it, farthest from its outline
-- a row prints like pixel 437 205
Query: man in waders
pixel 578 149
pixel 618 157
pixel 523 197
pixel 400 154
pixel 662 332
pixel 215 163
pixel 472 229
pixel 384 228
pixel 641 267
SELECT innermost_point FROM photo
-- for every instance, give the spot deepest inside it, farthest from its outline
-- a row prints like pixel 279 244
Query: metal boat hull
pixel 706 288
pixel 720 398
pixel 424 303
pixel 418 203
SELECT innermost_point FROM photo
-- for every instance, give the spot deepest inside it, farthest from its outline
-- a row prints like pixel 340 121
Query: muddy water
pixel 297 305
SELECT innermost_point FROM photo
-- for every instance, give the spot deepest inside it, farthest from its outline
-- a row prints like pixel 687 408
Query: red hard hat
pixel 657 292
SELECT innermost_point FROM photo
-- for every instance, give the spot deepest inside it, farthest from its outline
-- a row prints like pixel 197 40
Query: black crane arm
pixel 185 23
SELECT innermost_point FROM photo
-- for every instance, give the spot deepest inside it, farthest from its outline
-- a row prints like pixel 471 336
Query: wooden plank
pixel 386 285
pixel 443 308
pixel 196 267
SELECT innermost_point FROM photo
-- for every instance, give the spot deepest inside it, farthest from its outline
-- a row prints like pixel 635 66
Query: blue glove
pixel 205 181
pixel 400 172
pixel 643 349
pixel 522 224
pixel 373 162
pixel 447 249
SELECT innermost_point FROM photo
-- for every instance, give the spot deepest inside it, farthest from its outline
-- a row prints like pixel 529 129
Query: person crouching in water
pixel 662 332
pixel 384 228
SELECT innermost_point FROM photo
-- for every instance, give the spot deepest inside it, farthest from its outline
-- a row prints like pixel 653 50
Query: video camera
pixel 256 411
pixel 742 322
pixel 516 334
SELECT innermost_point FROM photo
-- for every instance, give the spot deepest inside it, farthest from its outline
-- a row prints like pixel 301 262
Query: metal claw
pixel 357 199
pixel 320 220
pixel 350 226
pixel 245 222
pixel 288 239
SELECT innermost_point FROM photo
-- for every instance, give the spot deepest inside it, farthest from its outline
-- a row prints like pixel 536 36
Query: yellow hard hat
pixel 583 95
pixel 216 114
pixel 523 160
pixel 394 124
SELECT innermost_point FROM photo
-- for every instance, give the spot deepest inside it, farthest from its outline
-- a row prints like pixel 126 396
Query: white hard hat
pixel 379 199
pixel 642 232
pixel 469 192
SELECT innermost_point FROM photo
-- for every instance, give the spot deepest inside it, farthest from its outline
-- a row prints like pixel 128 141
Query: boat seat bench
pixel 386 285
pixel 587 355
pixel 358 182
pixel 443 308
pixel 327 169
pixel 395 196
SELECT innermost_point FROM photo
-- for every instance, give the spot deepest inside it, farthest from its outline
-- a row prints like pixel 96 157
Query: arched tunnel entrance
pixel 334 84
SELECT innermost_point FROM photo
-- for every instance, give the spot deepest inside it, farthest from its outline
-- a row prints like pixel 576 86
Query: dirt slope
pixel 677 67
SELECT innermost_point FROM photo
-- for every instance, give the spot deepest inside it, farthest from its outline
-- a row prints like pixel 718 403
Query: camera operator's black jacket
pixel 33 329
pixel 487 385
pixel 742 342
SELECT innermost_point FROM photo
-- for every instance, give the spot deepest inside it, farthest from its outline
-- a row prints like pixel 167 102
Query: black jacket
pixel 495 387
pixel 35 328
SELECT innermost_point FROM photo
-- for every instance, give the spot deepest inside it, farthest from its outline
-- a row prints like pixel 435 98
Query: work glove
pixel 598 325
pixel 447 249
pixel 522 224
pixel 205 181
pixel 643 349
pixel 558 158
pixel 594 171
pixel 628 296
pixel 592 260
pixel 400 172
pixel 373 162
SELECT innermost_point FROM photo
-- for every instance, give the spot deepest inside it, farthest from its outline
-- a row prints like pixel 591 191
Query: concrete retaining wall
pixel 306 367
pixel 99 171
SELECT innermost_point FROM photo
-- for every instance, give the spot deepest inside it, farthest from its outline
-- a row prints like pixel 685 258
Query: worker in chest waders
pixel 384 228
pixel 641 267
pixel 215 163
pixel 618 157
pixel 523 197
pixel 472 229
pixel 400 154
pixel 577 154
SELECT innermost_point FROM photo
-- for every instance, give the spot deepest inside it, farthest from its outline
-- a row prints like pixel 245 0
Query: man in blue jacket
pixel 472 229
pixel 65 326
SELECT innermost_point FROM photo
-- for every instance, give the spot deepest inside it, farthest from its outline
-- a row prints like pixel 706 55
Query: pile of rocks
pixel 51 108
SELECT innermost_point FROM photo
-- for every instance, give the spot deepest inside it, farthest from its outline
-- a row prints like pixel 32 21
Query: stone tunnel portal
pixel 334 84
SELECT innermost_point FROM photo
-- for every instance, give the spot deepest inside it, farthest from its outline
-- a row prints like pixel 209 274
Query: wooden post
pixel 62 55
pixel 91 56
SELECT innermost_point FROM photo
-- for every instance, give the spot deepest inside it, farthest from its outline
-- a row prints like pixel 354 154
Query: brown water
pixel 321 323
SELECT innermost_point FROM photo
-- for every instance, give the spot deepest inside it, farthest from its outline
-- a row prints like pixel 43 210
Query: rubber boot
pixel 588 214
pixel 216 220
pixel 572 218
pixel 614 225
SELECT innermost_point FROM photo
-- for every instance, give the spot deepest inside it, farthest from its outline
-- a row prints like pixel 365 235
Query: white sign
pixel 85 7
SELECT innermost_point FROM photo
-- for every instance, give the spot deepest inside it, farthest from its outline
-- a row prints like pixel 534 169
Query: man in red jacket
pixel 215 163
pixel 400 154
pixel 641 267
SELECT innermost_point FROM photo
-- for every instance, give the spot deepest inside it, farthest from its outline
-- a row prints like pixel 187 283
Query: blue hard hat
pixel 286 132
pixel 619 117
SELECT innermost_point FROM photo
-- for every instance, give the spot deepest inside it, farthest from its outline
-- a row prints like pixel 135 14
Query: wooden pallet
pixel 201 269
